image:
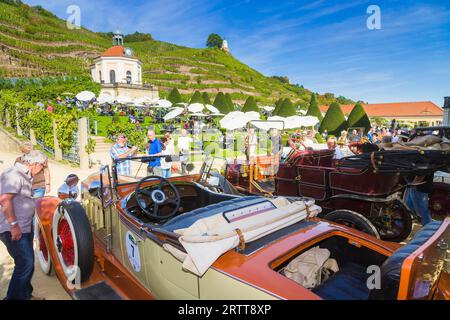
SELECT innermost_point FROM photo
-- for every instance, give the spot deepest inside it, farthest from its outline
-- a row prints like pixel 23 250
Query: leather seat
pixel 349 283
pixel 392 267
pixel 187 219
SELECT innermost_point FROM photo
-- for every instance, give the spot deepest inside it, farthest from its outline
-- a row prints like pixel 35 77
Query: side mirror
pixel 190 167
pixel 69 189
pixel 95 189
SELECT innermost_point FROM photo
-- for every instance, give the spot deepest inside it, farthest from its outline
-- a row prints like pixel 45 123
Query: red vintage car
pixel 343 192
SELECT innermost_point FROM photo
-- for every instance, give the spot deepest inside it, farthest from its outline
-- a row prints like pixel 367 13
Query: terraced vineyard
pixel 35 43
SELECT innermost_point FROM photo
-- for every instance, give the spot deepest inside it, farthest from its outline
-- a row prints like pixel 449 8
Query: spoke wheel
pixel 73 241
pixel 42 253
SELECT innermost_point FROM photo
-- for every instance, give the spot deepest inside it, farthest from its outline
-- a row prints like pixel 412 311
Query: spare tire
pixel 73 241
pixel 353 220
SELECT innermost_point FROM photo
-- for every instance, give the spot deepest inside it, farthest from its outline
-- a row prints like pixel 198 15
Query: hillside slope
pixel 36 43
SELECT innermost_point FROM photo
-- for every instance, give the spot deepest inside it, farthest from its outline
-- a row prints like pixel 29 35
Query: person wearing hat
pixel 41 180
pixel 16 218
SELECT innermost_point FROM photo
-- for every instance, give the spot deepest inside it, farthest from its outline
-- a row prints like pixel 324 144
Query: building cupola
pixel 117 38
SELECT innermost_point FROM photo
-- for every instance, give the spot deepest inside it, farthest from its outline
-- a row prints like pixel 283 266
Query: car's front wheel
pixel 42 253
pixel 73 241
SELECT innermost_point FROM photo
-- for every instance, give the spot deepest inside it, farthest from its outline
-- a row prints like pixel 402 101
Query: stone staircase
pixel 101 152
pixel 101 145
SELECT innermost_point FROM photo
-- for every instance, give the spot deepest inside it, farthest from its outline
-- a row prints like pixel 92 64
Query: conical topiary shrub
pixel 206 99
pixel 250 105
pixel 286 109
pixel 278 104
pixel 358 118
pixel 175 96
pixel 314 109
pixel 220 103
pixel 230 103
pixel 196 98
pixel 334 121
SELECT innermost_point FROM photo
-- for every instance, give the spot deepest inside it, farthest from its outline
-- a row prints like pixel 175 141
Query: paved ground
pixel 44 286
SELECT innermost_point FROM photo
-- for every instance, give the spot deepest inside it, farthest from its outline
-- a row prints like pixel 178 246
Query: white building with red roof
pixel 120 71
pixel 418 113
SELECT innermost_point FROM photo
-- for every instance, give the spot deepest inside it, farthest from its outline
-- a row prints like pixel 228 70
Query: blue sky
pixel 324 45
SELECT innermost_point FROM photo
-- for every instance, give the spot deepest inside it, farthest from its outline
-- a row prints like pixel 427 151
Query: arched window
pixel 112 76
pixel 129 77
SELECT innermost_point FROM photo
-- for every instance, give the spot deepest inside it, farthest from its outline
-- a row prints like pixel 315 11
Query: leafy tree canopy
pixel 137 37
pixel 214 41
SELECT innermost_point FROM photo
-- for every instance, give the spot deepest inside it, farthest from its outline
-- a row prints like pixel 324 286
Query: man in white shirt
pixel 332 145
pixel 184 147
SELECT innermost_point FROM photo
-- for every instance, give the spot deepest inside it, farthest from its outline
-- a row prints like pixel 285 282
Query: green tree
pixel 278 104
pixel 175 96
pixel 220 103
pixel 196 98
pixel 230 103
pixel 206 99
pixel 314 109
pixel 214 41
pixel 250 105
pixel 334 121
pixel 286 109
pixel 358 118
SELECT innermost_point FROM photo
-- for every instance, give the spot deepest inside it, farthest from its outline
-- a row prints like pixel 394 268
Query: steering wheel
pixel 158 197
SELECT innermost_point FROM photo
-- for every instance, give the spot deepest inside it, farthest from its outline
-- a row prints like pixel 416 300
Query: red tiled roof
pixel 400 109
pixel 115 51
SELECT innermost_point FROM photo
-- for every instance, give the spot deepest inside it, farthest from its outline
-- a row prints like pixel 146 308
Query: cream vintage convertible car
pixel 181 238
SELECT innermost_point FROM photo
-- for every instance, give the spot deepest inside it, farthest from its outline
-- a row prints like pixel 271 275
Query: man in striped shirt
pixel 119 151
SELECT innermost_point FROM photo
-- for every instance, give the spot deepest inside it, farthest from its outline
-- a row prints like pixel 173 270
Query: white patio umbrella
pixel 143 100
pixel 163 103
pixel 196 108
pixel 85 96
pixel 309 121
pixel 197 114
pixel 268 108
pixel 174 113
pixel 252 115
pixel 267 125
pixel 212 109
pixel 276 118
pixel 234 120
pixel 105 98
pixel 122 98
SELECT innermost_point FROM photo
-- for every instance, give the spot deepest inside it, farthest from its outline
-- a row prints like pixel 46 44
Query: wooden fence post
pixel 19 130
pixel 33 137
pixel 58 151
pixel 83 142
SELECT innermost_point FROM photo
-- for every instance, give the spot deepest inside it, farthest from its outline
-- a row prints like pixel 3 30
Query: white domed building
pixel 120 72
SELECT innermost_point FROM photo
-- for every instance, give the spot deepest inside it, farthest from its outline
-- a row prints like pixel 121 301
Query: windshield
pixel 130 170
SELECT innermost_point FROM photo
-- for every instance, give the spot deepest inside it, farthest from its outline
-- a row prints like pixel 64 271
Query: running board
pixel 98 291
